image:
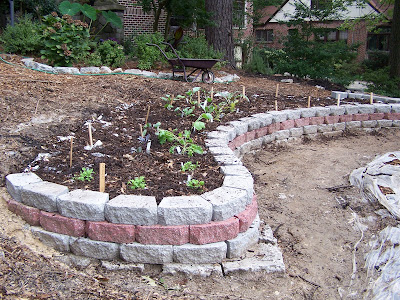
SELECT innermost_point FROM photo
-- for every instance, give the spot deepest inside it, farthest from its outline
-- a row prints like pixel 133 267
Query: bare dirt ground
pixel 302 190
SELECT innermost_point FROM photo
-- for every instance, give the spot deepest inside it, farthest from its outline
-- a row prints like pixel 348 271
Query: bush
pixel 377 60
pixel 111 53
pixel 264 60
pixel 197 47
pixel 148 55
pixel 381 83
pixel 23 37
pixel 65 40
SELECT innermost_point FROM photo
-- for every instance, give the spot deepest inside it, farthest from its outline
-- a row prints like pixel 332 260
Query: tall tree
pixel 220 36
pixel 394 51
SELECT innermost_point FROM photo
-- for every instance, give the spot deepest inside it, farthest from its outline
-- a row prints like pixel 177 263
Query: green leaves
pixel 89 11
pixel 68 8
pixel 137 183
pixel 112 18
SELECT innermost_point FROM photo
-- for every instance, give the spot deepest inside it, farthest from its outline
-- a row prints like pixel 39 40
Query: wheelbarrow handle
pixel 161 50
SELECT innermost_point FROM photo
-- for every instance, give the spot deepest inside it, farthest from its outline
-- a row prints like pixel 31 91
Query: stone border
pixel 363 96
pixel 201 229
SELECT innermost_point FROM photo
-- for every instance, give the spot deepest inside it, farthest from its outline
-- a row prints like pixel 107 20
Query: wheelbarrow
pixel 179 65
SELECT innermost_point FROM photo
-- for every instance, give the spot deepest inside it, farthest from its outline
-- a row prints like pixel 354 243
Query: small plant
pixel 189 166
pixel 195 184
pixel 110 53
pixel 199 124
pixel 85 175
pixel 137 183
pixel 190 94
pixel 183 143
pixel 148 55
pixel 186 112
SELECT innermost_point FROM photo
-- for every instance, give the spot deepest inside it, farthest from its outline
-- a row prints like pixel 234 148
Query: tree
pixel 220 36
pixel 156 7
pixel 394 50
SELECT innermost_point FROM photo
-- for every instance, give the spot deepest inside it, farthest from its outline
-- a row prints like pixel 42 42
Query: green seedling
pixel 190 94
pixel 186 112
pixel 137 183
pixel 183 143
pixel 195 184
pixel 189 166
pixel 85 175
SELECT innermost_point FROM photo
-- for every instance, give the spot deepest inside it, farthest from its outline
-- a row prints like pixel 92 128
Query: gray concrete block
pixel 295 140
pixel 312 136
pixel 322 111
pixel 220 150
pixel 282 134
pixel 310 129
pixel 245 240
pixel 241 182
pixel 351 109
pixel 366 108
pixel 95 249
pixel 235 170
pixel 230 130
pixel 220 135
pixel 66 70
pixel 256 144
pixel 335 95
pixel 293 114
pixel 42 195
pixel 200 254
pixel 43 67
pixel 339 126
pixel 331 134
pixel 59 242
pixel 396 123
pixel 353 125
pixel 226 160
pixel 308 112
pixel 267 139
pixel 202 270
pixel 278 116
pixel 385 123
pixel 325 128
pixel 215 143
pixel 131 209
pixel 382 108
pixel 122 266
pixel 240 127
pixel 296 132
pixel 90 70
pixel 267 236
pixel 226 202
pixel 147 254
pixel 184 210
pixel 83 204
pixel 252 123
pixel 369 124
pixel 265 119
pixel 336 110
pixel 244 149
pixel 15 182
pixel 395 108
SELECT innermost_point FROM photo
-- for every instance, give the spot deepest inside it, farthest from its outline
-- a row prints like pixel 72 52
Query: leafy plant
pixel 85 175
pixel 137 183
pixel 186 111
pixel 197 47
pixel 183 143
pixel 381 83
pixel 148 55
pixel 190 94
pixel 23 37
pixel 65 39
pixel 189 166
pixel 110 53
pixel 199 124
pixel 195 184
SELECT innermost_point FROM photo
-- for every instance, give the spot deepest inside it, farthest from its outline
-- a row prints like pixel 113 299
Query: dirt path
pixel 304 196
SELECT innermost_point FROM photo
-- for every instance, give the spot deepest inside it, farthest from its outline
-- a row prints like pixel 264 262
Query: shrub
pixel 381 83
pixel 377 60
pixel 197 47
pixel 148 55
pixel 264 60
pixel 65 40
pixel 110 53
pixel 23 37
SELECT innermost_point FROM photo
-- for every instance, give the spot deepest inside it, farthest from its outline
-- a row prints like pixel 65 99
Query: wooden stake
pixel 371 99
pixel 338 100
pixel 172 99
pixel 141 130
pixel 212 93
pixel 244 92
pixel 102 174
pixel 90 135
pixel 276 104
pixel 277 90
pixel 198 98
pixel 70 152
pixel 309 102
pixel 37 106
pixel 147 116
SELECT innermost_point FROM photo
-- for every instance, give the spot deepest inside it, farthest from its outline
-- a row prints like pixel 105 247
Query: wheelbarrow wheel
pixel 207 77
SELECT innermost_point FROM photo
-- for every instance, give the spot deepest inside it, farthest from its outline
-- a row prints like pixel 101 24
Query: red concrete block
pixel 302 122
pixel 361 117
pixel 345 118
pixel 392 116
pixel 287 124
pixel 377 116
pixel 251 135
pixel 56 223
pixel 247 216
pixel 232 146
pixel 263 131
pixel 110 232
pixel 317 120
pixel 214 232
pixel 30 215
pixel 162 235
pixel 239 140
pixel 332 119
pixel 274 127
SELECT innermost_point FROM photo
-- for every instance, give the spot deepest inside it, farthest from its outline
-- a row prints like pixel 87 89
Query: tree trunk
pixel 394 51
pixel 220 36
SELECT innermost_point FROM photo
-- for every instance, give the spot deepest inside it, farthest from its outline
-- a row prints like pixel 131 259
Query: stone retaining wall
pixel 197 229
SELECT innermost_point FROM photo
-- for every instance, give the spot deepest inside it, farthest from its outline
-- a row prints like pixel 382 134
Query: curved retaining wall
pixel 205 228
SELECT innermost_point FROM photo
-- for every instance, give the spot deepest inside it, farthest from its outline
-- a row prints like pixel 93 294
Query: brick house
pixel 271 31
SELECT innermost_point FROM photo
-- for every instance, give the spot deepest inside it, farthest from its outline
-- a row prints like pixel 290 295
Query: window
pixel 266 36
pixel 239 13
pixel 379 40
pixel 320 4
pixel 333 36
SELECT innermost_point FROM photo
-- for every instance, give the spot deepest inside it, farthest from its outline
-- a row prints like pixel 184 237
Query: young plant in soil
pixel 137 183
pixel 189 166
pixel 183 143
pixel 86 174
pixel 195 184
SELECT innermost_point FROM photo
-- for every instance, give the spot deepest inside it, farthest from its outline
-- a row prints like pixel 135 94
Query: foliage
pixel 36 8
pixel 65 39
pixel 137 183
pixel 195 184
pixel 110 53
pixel 147 55
pixel 23 37
pixel 85 175
pixel 182 143
pixel 197 47
pixel 377 60
pixel 189 166
pixel 264 60
pixel 382 83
